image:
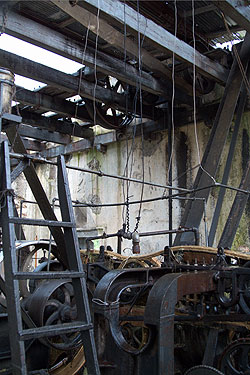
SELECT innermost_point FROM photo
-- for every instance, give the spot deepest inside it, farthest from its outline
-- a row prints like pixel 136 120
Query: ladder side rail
pixel 75 264
pixel 10 265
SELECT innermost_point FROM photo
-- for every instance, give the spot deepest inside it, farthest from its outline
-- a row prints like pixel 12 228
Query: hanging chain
pixel 138 218
pixel 127 213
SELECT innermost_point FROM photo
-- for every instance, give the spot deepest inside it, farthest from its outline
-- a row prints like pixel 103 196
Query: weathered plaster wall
pixel 87 187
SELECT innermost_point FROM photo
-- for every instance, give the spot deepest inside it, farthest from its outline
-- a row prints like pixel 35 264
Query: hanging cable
pixel 194 96
pixel 237 56
pixel 96 48
pixel 138 218
pixel 125 196
pixel 81 70
pixel 173 93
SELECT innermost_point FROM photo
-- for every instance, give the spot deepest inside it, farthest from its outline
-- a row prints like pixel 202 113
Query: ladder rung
pixel 43 223
pixel 54 330
pixel 48 275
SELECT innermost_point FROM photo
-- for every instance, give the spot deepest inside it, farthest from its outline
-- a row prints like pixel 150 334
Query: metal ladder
pixel 83 324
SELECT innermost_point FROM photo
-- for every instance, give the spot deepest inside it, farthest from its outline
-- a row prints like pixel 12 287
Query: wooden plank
pixel 79 146
pixel 33 145
pixel 114 37
pixel 200 10
pixel 160 37
pixel 43 134
pixel 48 123
pixel 29 144
pixel 238 10
pixel 70 83
pixel 182 117
pixel 51 103
pixel 42 36
pixel 218 33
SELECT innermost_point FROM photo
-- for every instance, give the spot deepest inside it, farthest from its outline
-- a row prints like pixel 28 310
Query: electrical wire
pixel 98 173
pixel 138 218
pixel 82 61
pixel 181 191
pixel 130 154
pixel 125 196
pixel 194 96
pixel 173 93
pixel 237 56
pixel 96 48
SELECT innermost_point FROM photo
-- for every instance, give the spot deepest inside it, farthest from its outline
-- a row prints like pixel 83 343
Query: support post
pixel 222 192
pixel 212 155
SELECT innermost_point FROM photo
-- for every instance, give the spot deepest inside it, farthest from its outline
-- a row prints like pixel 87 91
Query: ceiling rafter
pixel 160 37
pixel 52 40
pixel 60 126
pixel 70 83
pixel 238 10
pixel 114 37
pixel 51 103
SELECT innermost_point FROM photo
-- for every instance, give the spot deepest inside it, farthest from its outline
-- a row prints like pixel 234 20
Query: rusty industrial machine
pixel 181 310
pixel 64 311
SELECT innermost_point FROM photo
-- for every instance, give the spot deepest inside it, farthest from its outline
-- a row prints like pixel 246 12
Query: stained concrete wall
pixel 90 188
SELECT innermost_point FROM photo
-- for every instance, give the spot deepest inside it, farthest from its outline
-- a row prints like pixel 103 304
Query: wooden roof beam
pixel 43 134
pixel 51 124
pixel 51 103
pixel 29 144
pixel 114 38
pixel 159 37
pixel 238 10
pixel 69 83
pixel 42 36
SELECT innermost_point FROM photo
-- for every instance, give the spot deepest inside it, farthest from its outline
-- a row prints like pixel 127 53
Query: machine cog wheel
pixel 203 370
pixel 235 360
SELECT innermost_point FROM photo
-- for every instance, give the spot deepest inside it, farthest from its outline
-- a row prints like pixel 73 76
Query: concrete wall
pixel 87 187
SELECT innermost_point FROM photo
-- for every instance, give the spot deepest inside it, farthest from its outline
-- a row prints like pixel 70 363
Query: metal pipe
pixel 170 176
pixel 6 93
pixel 84 204
pixel 98 173
pixel 205 220
pixel 102 174
pixel 147 234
